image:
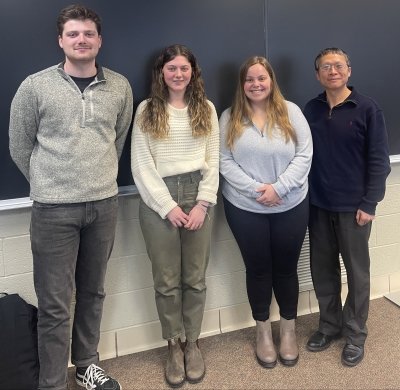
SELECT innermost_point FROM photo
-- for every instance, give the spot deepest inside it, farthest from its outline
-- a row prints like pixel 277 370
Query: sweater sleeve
pixel 150 185
pixel 378 162
pixel 124 120
pixel 296 174
pixel 23 126
pixel 230 169
pixel 208 186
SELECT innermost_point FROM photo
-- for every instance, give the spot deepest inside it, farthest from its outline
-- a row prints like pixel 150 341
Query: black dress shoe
pixel 319 341
pixel 352 354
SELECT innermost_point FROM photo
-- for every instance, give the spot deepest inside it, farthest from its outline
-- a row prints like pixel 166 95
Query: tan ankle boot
pixel 175 367
pixel 288 350
pixel 265 348
pixel 194 363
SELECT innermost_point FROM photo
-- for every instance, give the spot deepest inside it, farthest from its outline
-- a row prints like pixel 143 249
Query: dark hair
pixel 331 50
pixel 77 12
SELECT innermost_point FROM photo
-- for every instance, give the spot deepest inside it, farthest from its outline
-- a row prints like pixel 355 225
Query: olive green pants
pixel 179 260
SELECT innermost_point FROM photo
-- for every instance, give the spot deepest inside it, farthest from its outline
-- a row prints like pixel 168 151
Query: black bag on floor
pixel 19 363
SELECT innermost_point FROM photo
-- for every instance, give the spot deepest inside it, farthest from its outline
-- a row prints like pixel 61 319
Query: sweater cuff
pixel 279 189
pixel 167 208
pixel 368 207
pixel 207 197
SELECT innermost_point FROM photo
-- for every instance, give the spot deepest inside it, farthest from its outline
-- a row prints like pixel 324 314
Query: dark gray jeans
pixel 71 245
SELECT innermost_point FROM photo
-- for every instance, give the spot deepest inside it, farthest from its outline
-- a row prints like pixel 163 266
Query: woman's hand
pixel 268 196
pixel 177 217
pixel 196 217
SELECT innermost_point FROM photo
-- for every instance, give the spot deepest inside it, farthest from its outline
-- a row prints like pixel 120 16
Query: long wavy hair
pixel 154 118
pixel 275 108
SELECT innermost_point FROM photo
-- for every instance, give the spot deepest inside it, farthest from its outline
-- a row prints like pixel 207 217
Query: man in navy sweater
pixel 347 180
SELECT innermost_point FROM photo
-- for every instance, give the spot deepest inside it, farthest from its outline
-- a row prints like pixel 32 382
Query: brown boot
pixel 265 348
pixel 175 367
pixel 194 363
pixel 288 350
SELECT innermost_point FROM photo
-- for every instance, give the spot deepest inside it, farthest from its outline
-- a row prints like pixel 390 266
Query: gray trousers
pixel 332 233
pixel 71 245
pixel 179 260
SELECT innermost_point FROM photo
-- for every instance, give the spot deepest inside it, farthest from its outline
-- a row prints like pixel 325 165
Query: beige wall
pixel 130 321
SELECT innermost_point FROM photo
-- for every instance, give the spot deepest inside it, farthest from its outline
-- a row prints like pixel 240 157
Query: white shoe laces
pixel 93 375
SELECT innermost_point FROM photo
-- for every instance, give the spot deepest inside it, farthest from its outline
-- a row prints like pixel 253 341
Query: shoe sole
pixel 195 380
pixel 79 383
pixel 175 385
pixel 266 364
pixel 287 362
pixel 351 364
pixel 319 349
pixel 326 346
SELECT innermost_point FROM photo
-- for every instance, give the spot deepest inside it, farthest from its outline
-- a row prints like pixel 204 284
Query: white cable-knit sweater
pixel 153 159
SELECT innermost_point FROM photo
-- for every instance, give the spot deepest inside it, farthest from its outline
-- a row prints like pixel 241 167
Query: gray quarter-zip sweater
pixel 68 143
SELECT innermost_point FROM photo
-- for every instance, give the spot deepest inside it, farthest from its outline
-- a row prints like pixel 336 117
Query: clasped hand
pixel 192 221
pixel 268 196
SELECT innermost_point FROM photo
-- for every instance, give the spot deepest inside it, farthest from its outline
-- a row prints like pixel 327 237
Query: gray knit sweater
pixel 256 159
pixel 67 143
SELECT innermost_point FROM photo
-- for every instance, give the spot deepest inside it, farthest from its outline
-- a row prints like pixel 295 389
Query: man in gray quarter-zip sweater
pixel 68 126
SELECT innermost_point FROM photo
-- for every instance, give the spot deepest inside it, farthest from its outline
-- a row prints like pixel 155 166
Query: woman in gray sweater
pixel 265 158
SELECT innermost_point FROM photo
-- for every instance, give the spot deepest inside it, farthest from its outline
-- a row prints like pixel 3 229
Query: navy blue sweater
pixel 351 155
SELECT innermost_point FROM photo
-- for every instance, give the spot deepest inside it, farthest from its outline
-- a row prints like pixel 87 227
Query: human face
pixel 333 72
pixel 257 85
pixel 177 74
pixel 80 41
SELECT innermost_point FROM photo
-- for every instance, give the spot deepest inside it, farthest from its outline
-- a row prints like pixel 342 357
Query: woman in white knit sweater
pixel 175 153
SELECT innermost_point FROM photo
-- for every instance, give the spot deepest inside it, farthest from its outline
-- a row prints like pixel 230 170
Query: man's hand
pixel 363 218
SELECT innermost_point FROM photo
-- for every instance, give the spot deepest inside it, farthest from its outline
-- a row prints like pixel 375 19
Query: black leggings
pixel 270 245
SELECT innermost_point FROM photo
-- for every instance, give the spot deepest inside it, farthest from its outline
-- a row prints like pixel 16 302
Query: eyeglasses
pixel 327 67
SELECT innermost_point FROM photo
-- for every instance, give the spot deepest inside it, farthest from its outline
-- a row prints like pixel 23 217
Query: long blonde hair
pixel 154 118
pixel 276 109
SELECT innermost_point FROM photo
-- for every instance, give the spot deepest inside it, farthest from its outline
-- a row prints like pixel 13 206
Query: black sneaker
pixel 95 378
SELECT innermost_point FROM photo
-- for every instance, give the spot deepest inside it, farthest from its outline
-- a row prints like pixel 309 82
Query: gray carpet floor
pixel 231 364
